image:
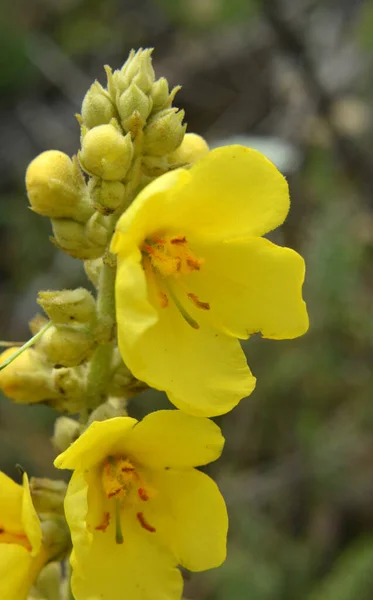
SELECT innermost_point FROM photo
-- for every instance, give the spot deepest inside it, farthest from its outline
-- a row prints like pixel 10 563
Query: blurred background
pixel 295 80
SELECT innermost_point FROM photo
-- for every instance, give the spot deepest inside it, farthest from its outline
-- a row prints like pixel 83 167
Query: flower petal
pixel 233 191
pixel 30 519
pixel 153 209
pixel 98 441
pixel 252 286
pixel 10 504
pixel 202 371
pixel 173 438
pixel 104 570
pixel 18 571
pixel 135 314
pixel 190 515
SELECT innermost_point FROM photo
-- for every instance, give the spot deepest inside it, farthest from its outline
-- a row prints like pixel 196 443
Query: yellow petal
pixel 30 519
pixel 18 571
pixel 102 570
pixel 98 441
pixel 135 314
pixel 76 511
pixel 172 438
pixel 190 515
pixel 202 371
pixel 233 191
pixel 10 504
pixel 153 208
pixel 252 286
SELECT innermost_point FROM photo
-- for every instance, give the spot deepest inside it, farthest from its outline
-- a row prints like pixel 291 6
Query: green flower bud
pixel 164 132
pixel 48 583
pixel 48 495
pixel 70 237
pixel 68 306
pixel 70 383
pixel 97 229
pixel 137 68
pixel 56 187
pixel 192 148
pixel 107 196
pixel 93 269
pixel 66 346
pixel 114 407
pixel 160 94
pixel 97 107
pixel 133 100
pixel 28 379
pixel 56 536
pixel 154 166
pixel 106 153
pixel 66 431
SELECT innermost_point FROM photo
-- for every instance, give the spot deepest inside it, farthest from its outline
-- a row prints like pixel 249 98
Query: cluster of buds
pixel 54 369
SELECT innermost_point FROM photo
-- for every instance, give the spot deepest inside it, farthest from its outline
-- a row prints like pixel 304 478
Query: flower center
pixel 119 478
pixel 9 537
pixel 168 256
pixel 171 255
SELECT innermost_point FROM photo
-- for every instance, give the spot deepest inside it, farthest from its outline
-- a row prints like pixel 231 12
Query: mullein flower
pixel 137 507
pixel 22 554
pixel 194 274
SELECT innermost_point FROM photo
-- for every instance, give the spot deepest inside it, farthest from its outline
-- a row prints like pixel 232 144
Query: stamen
pixel 118 528
pixel 143 494
pixel 197 302
pixel 144 523
pixel 163 300
pixel 105 523
pixel 194 263
pixel 179 240
pixel 181 309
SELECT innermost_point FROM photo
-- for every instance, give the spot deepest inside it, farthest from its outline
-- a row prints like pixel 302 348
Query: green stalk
pixel 28 344
pixel 100 363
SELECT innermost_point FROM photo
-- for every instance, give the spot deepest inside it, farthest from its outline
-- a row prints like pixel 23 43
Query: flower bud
pixel 164 132
pixel 48 583
pixel 71 237
pixel 68 306
pixel 66 346
pixel 27 379
pixel 93 269
pixel 192 148
pixel 98 229
pixel 56 536
pixel 154 166
pixel 48 495
pixel 56 187
pixel 160 94
pixel 70 383
pixel 133 100
pixel 66 431
pixel 106 196
pixel 97 107
pixel 137 68
pixel 113 407
pixel 106 153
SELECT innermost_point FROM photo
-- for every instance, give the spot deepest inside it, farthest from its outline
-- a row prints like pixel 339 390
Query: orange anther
pixel 198 303
pixel 179 240
pixel 144 523
pixel 105 523
pixel 143 494
pixel 163 300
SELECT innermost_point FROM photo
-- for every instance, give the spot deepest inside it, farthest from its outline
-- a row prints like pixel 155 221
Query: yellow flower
pixel 194 274
pixel 22 554
pixel 137 508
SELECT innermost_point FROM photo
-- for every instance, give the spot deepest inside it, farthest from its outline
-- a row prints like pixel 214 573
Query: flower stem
pixel 100 363
pixel 28 344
